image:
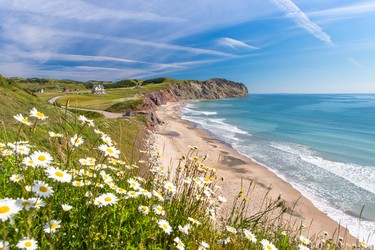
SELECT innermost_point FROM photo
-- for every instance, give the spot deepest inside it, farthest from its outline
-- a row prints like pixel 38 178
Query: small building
pixel 98 89
pixel 137 86
pixel 40 91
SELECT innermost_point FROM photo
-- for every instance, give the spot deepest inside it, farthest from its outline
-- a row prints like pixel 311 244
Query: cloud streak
pixel 354 9
pixel 234 44
pixel 302 20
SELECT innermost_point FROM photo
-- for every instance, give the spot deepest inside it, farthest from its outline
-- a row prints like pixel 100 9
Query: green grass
pixel 130 104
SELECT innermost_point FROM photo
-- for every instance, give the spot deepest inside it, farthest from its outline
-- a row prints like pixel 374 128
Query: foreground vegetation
pixel 68 198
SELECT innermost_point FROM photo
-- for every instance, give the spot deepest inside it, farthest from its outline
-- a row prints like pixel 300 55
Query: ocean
pixel 324 145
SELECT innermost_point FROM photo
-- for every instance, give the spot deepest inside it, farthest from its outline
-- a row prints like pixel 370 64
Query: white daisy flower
pixel 267 245
pixel 143 209
pixel 29 162
pixel 194 221
pixel 203 246
pixel 4 245
pixel 76 140
pixel 133 194
pixel 21 149
pixel 222 199
pixel 58 174
pixel 185 229
pixel 163 224
pixel 107 140
pixel 107 199
pixel 51 226
pixel 134 184
pixel 8 208
pixel 16 178
pixel 158 195
pixel 231 229
pixel 66 207
pixel 25 204
pixel 158 210
pixel 303 247
pixel 37 114
pixel 179 244
pixel 304 239
pixel 53 134
pixel 42 189
pixel 38 203
pixel 42 159
pixel 27 243
pixel 22 119
pixel 145 193
pixel 249 235
pixel 84 120
pixel 170 187
pixel 109 151
pixel 7 152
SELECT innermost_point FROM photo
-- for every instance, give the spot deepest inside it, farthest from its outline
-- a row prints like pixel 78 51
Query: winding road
pixel 106 114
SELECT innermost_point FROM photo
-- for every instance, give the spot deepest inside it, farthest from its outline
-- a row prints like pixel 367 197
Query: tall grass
pixel 82 194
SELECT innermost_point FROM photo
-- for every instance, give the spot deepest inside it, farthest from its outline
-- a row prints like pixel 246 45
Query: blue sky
pixel 283 46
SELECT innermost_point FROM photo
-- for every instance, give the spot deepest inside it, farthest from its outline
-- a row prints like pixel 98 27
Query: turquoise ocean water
pixel 324 145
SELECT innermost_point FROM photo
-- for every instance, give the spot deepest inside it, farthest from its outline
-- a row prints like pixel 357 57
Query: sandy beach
pixel 173 138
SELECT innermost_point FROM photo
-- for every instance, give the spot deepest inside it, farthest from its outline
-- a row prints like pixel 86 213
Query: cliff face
pixel 215 88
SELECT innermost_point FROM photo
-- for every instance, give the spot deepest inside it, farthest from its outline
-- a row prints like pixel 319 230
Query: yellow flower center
pixel 108 199
pixel 59 174
pixel 109 150
pixel 76 141
pixel 4 209
pixel 53 226
pixel 269 247
pixel 144 208
pixel 41 158
pixel 25 121
pixel 165 226
pixel 28 244
pixel 43 189
pixel 25 203
pixel 39 114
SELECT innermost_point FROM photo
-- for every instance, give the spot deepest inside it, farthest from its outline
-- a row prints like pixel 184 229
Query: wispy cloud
pixel 353 9
pixel 234 44
pixel 80 10
pixel 355 62
pixel 293 11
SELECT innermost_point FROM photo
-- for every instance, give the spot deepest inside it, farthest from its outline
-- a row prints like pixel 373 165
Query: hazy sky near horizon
pixel 283 46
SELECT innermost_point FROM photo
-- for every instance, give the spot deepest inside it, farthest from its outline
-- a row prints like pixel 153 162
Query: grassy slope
pixel 14 100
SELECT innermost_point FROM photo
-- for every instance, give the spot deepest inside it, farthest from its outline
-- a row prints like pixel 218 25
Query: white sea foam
pixel 360 176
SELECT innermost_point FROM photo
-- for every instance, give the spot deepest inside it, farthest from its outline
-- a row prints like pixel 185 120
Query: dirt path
pixel 106 114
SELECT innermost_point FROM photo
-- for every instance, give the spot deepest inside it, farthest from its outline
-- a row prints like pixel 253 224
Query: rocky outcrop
pixel 215 88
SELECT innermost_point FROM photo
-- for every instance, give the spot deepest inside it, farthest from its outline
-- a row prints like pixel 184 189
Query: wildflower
pixel 134 184
pixel 179 244
pixel 76 140
pixel 120 191
pixel 51 226
pixel 205 180
pixel 107 199
pixel 8 208
pixel 16 178
pixel 7 152
pixel 194 221
pixel 363 244
pixel 185 229
pixel 29 162
pixel 231 229
pixel 267 245
pixel 42 189
pixel 163 224
pixel 25 204
pixel 222 199
pixel 42 159
pixel 4 245
pixel 78 183
pixel 58 174
pixel 203 246
pixel 187 180
pixel 53 134
pixel 66 207
pixel 22 119
pixel 170 186
pixel 158 195
pixel 249 235
pixel 26 243
pixel 303 247
pixel 133 194
pixel 107 178
pixel 84 120
pixel 225 241
pixel 21 149
pixel 37 114
pixel 109 150
pixel 146 193
pixel 304 240
pixel 38 203
pixel 143 209
pixel 158 210
pixel 107 140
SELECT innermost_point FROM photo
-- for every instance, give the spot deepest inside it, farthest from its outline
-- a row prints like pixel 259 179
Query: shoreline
pixel 173 138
